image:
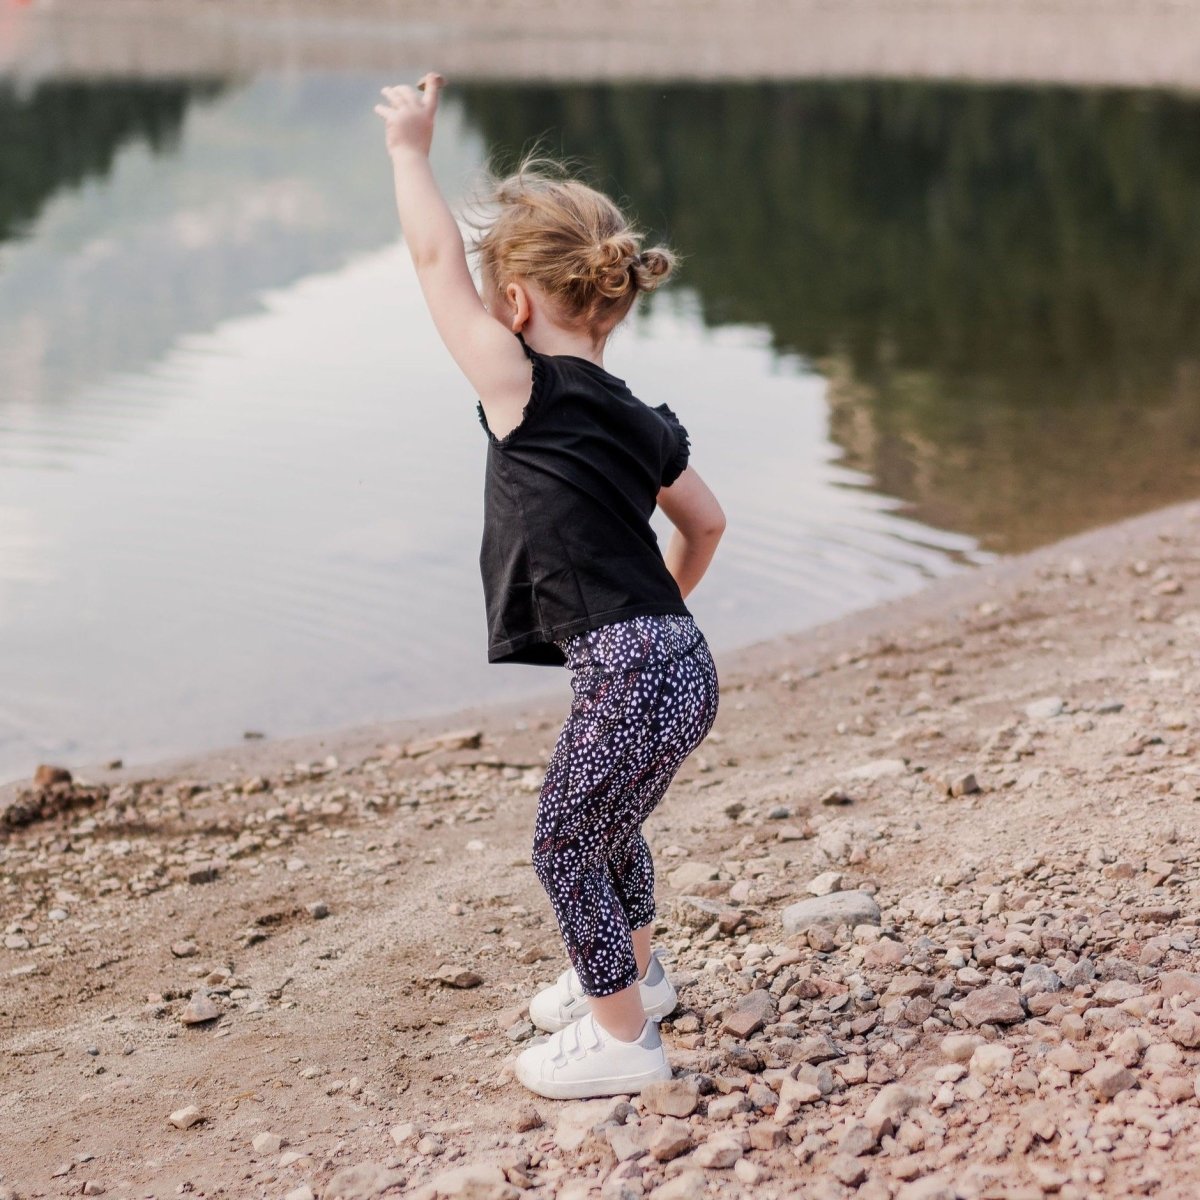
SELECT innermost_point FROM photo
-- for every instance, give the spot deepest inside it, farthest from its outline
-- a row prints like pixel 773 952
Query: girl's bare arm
pixel 491 357
pixel 699 523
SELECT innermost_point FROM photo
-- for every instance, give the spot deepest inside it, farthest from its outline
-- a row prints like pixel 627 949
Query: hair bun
pixel 653 267
pixel 612 263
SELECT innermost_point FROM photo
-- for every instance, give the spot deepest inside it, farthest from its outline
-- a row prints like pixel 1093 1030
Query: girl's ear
pixel 518 303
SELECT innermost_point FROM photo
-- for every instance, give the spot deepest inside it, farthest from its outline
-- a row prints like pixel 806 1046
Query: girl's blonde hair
pixel 570 240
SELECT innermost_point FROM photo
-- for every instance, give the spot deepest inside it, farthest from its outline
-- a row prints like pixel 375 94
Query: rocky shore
pixel 930 893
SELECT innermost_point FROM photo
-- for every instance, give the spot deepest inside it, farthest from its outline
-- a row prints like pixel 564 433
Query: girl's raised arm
pixel 489 355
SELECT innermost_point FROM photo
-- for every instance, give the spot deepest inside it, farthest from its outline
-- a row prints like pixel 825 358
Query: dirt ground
pixel 1065 875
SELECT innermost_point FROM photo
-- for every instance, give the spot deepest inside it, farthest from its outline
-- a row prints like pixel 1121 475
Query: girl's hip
pixel 635 644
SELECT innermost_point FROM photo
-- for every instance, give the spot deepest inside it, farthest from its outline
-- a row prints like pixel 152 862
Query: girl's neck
pixel 548 339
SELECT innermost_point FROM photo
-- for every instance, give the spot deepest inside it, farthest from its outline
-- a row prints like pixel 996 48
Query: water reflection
pixel 238 473
pixel 1004 283
pixel 58 134
pixel 204 206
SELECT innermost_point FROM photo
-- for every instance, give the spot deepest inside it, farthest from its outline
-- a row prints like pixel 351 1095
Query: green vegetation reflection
pixel 1002 284
pixel 58 134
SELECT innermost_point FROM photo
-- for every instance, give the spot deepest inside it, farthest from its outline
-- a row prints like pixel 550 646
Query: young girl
pixel 573 573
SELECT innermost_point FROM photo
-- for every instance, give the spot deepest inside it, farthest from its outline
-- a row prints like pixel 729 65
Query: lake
pixel 917 325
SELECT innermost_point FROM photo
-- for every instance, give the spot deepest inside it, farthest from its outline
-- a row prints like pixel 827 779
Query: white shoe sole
pixel 585 1089
pixel 664 1006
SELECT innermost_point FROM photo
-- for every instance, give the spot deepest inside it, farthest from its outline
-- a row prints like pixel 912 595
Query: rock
pixel 184 949
pixel 318 910
pixel 932 1187
pixel 1038 979
pixel 1180 983
pixel 457 977
pixel 750 1013
pixel 847 1170
pixel 826 884
pixel 578 1119
pixel 1044 709
pixel 527 1117
pixel 685 1186
pixel 671 1139
pixel 199 1009
pixel 1070 1059
pixel 879 768
pixel 799 1091
pixel 1116 991
pixel 723 1107
pixel 748 1172
pixel 1106 1079
pixel 690 875
pixel 996 1004
pixel 830 912
pixel 364 1182
pixel 455 739
pixel 628 1141
pixel 1127 1045
pixel 990 1059
pixel 1076 973
pixel 267 1143
pixel 185 1118
pixel 697 912
pixel 671 1097
pixel 857 1140
pixel 767 1136
pixel 206 872
pixel 836 798
pixel 719 1153
pixel 818 1048
pixel 1185 1031
pixel 887 1110
pixel 45 775
pixel 963 785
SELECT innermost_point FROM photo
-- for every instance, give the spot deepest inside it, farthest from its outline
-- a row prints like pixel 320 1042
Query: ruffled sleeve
pixel 537 393
pixel 676 449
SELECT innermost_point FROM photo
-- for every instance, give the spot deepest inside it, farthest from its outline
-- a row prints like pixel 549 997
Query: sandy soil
pixel 1126 42
pixel 1071 874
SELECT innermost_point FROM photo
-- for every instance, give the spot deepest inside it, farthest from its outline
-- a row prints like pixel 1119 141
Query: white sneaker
pixel 584 1060
pixel 556 1006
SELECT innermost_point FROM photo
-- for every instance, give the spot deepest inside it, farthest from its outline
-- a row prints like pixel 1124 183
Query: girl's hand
pixel 409 115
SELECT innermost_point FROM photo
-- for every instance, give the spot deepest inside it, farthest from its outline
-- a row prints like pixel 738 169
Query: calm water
pixel 240 479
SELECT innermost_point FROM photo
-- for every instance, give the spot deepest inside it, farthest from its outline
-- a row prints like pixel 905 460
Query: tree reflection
pixel 1003 284
pixel 60 133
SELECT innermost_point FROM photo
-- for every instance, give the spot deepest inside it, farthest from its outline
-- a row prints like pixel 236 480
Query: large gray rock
pixel 828 912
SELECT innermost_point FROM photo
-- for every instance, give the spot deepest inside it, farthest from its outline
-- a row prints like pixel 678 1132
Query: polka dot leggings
pixel 645 696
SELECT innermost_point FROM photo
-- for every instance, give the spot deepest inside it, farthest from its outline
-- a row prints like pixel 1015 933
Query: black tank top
pixel 568 494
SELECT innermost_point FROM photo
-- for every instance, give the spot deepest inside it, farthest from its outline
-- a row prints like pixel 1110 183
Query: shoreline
pixel 356 743
pixel 263 971
pixel 1129 43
